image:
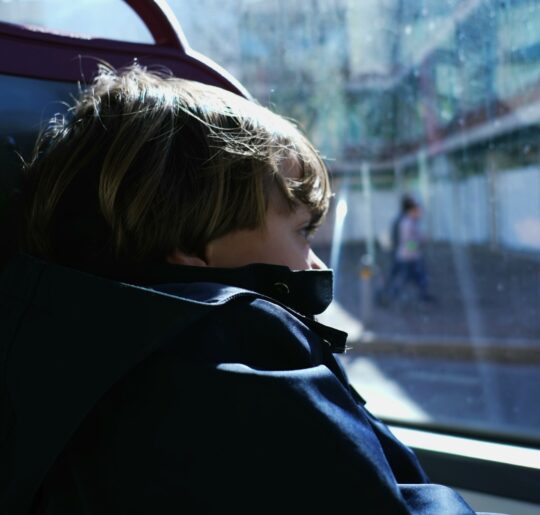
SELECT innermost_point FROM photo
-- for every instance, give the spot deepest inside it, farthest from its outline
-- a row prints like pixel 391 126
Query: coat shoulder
pixel 244 328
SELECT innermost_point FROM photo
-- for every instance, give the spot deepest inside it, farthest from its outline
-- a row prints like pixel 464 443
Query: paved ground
pixel 483 296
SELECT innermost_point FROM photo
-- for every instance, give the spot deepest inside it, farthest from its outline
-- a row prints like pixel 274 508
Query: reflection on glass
pixel 438 100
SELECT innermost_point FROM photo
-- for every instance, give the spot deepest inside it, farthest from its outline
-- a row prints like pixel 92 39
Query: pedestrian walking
pixel 407 256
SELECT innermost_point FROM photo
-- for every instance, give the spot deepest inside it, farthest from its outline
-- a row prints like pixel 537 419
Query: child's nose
pixel 314 262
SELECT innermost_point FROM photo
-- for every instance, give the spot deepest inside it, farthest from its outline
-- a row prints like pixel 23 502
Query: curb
pixel 509 353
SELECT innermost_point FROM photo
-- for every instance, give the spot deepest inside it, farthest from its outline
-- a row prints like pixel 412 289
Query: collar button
pixel 281 288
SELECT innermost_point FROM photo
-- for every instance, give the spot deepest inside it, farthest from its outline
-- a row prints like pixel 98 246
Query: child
pixel 163 355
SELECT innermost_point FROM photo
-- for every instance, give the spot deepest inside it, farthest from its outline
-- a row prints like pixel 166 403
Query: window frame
pixel 38 53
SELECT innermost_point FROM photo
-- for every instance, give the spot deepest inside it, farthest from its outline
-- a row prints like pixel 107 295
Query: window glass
pixel 111 19
pixel 25 107
pixel 437 100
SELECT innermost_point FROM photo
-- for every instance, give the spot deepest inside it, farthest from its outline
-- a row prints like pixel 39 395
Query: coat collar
pixel 309 292
pixel 305 292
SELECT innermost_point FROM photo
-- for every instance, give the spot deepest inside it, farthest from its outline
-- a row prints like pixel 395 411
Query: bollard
pixel 366 289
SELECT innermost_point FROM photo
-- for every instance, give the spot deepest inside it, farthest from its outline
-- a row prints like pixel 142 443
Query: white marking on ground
pixel 446 377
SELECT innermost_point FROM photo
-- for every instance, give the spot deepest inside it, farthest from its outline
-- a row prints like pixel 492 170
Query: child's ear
pixel 177 257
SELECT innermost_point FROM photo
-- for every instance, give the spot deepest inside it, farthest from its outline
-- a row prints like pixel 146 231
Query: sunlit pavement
pixel 483 298
pixel 485 397
pixel 439 363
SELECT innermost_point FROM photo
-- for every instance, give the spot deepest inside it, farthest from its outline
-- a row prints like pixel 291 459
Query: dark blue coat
pixel 200 394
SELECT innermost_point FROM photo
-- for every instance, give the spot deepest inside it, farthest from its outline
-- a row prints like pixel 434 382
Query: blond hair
pixel 146 163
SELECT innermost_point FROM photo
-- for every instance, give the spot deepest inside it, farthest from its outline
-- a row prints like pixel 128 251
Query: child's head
pixel 408 204
pixel 410 207
pixel 149 168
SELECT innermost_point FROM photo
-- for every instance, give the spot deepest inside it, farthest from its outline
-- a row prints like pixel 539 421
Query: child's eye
pixel 308 231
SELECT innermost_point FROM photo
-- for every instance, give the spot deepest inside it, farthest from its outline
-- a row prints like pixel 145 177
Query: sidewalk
pixel 488 305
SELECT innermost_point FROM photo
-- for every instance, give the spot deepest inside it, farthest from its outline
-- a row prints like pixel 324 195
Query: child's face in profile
pixel 285 240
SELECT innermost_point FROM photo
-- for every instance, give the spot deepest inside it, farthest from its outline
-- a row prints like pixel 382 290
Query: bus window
pixel 432 100
pixel 436 101
pixel 25 107
pixel 427 113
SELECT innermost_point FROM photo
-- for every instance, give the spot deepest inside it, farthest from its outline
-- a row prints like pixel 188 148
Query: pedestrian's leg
pixel 399 279
pixel 421 280
pixel 382 296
